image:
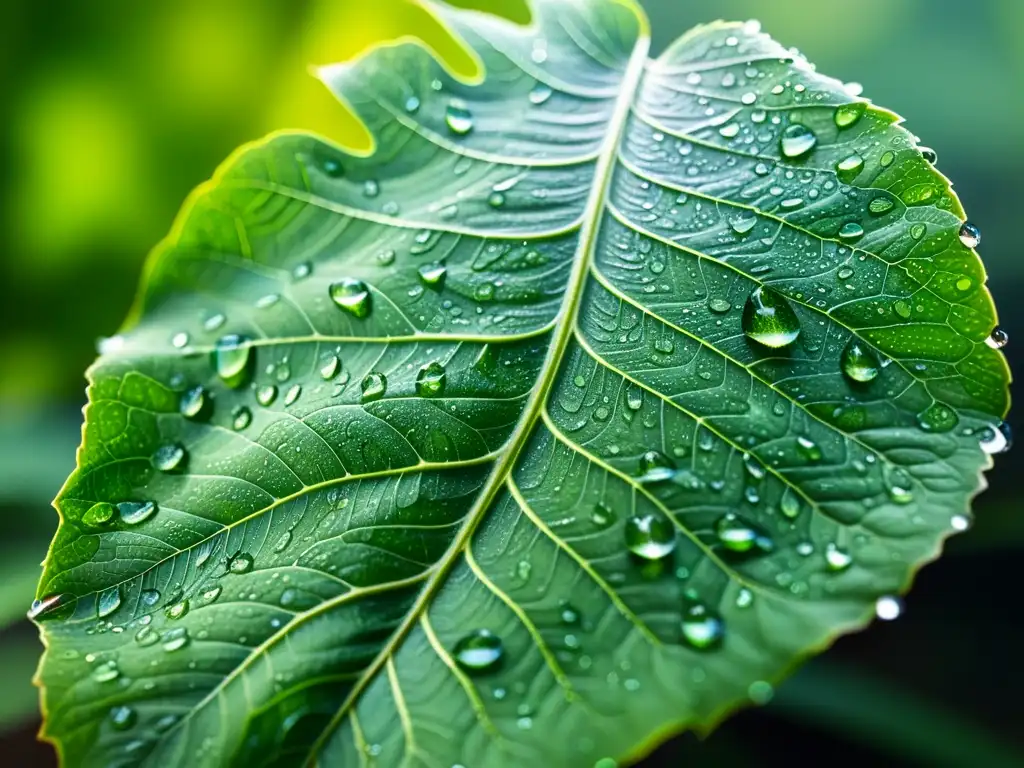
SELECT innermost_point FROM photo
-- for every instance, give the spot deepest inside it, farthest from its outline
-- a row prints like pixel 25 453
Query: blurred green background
pixel 117 109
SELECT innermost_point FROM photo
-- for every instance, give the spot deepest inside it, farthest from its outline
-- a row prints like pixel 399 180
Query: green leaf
pixel 603 390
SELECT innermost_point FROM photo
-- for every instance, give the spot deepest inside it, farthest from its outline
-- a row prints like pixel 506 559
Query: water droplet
pixel 302 271
pixel 98 515
pixel 46 604
pixel 744 598
pixel 496 200
pixel 266 395
pixel 195 404
pixel 719 306
pixel 147 636
pixel 808 448
pixel 433 275
pixel 650 536
pixel 996 439
pixel 602 515
pixel 899 484
pixel 998 338
pixel 859 362
pixel 150 596
pixel 122 718
pixel 352 295
pixel 655 467
pixel 929 154
pixel 970 235
pixel 902 308
pixel 478 652
pixel 540 94
pixel 917 231
pixel 412 104
pixel 737 535
pixel 332 167
pixel 177 610
pixel 293 394
pixel 458 118
pixel 769 320
pixel 241 417
pixel 702 630
pixel 106 671
pixel 329 367
pixel 240 563
pixel 760 692
pixel 135 512
pixel 374 385
pixel 797 140
pixel 742 223
pixel 836 558
pixel 214 321
pixel 960 523
pixel 232 360
pixel 265 302
pixel 730 130
pixel 431 379
pixel 919 194
pixel 211 594
pixel 848 168
pixel 790 505
pixel 371 188
pixel 888 607
pixel 848 114
pixel 169 458
pixel 880 205
pixel 851 230
pixel 937 417
pixel 634 397
pixel 179 340
pixel 175 639
pixel 108 602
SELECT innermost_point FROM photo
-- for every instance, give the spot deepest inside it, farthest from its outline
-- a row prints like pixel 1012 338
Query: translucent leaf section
pixel 599 395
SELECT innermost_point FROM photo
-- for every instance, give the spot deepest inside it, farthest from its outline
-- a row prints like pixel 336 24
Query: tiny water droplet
pixel 479 651
pixel 737 535
pixel 859 362
pixel 373 386
pixel 431 380
pixel 106 672
pixel 719 306
pixel 458 118
pixel 650 536
pixel 970 235
pixel 179 340
pixel 769 320
pixel 797 140
pixel 655 467
pixel 540 94
pixel 214 321
pixel 960 522
pixel 634 397
pixel 353 296
pixel 302 271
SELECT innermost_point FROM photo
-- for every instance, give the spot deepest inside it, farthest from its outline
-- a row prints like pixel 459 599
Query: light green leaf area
pixel 600 394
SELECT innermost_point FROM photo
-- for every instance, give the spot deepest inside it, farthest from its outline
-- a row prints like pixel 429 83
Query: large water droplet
pixel 433 275
pixel 769 320
pixel 170 457
pixel 888 607
pixel 848 168
pixel 135 512
pixel 702 630
pixel 836 558
pixel 998 338
pixel 195 404
pixel 232 360
pixel 742 223
pixel 266 395
pixel 122 718
pixel 46 604
pixel 479 651
pixel 240 563
pixel 352 295
pixel 970 235
pixel 851 230
pixel 650 536
pixel 996 439
pixel 177 610
pixel 789 504
pixel 937 417
pixel 797 140
pixel 106 671
pixel 99 514
pixel 431 379
pixel 737 535
pixel 108 602
pixel 808 448
pixel 241 417
pixel 655 467
pixel 458 118
pixel 848 114
pixel 858 362
pixel 602 515
pixel 175 639
pixel 373 386
pixel 292 394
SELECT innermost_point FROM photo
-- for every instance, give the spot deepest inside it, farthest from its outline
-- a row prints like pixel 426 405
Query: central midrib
pixel 561 335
